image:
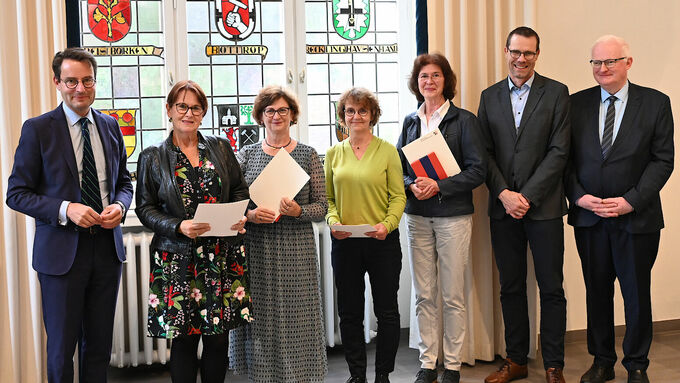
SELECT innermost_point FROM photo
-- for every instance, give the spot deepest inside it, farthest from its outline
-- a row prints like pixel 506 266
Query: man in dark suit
pixel 70 175
pixel 525 123
pixel 622 155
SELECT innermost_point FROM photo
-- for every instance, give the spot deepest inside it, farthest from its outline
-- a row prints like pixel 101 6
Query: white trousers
pixel 440 252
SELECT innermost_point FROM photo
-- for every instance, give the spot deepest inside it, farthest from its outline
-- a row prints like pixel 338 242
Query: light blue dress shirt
pixel 619 104
pixel 518 98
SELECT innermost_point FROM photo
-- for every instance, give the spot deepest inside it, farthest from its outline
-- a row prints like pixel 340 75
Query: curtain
pixel 471 34
pixel 27 45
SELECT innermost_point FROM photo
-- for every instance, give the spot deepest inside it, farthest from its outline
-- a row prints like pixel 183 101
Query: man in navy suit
pixel 622 155
pixel 525 122
pixel 70 175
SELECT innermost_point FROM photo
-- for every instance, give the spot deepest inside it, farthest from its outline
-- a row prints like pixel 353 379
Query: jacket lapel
pixel 63 137
pixel 503 96
pixel 592 123
pixel 535 95
pixel 103 130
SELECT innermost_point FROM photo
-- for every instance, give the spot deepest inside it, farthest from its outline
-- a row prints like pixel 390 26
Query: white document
pixel 432 142
pixel 356 230
pixel 220 216
pixel 282 177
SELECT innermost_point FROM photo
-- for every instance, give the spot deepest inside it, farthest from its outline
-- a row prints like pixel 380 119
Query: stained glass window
pixel 127 40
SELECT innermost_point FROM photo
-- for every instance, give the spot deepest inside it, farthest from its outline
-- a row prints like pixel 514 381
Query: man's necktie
pixel 89 187
pixel 608 132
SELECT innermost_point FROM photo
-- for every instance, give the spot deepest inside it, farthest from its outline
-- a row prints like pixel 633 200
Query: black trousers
pixel 352 258
pixel 184 363
pixel 509 239
pixel 607 253
pixel 78 307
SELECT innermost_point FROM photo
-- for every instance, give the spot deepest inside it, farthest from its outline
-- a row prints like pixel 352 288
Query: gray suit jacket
pixel 530 160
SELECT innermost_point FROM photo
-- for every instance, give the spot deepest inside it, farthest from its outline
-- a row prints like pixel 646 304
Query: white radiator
pixel 131 346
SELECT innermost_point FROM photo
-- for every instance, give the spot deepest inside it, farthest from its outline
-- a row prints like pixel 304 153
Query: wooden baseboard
pixel 659 326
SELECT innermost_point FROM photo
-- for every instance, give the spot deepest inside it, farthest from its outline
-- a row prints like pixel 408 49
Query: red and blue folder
pixel 429 166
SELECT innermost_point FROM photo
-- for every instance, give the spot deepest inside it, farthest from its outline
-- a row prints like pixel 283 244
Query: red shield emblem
pixel 235 19
pixel 109 20
pixel 127 123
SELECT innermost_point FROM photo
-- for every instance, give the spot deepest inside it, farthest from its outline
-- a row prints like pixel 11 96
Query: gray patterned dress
pixel 285 342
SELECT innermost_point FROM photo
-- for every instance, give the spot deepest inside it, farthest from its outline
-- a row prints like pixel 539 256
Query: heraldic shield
pixel 109 20
pixel 127 122
pixel 235 19
pixel 351 18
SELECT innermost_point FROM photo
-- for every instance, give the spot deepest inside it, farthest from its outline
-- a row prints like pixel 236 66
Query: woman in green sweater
pixel 364 185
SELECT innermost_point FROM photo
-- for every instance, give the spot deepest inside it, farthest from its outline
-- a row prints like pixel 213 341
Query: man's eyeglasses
pixel 351 112
pixel 529 55
pixel 72 83
pixel 182 108
pixel 609 63
pixel 283 112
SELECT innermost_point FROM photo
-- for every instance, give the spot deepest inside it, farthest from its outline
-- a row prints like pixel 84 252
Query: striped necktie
pixel 89 187
pixel 608 132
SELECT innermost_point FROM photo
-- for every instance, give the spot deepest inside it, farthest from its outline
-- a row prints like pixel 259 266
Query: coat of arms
pixel 235 19
pixel 351 18
pixel 109 20
pixel 126 121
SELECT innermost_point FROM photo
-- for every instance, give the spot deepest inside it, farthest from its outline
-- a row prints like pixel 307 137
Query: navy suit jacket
pixel 637 166
pixel 45 174
pixel 531 159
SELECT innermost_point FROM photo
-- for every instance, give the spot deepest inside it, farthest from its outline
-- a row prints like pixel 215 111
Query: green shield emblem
pixel 351 18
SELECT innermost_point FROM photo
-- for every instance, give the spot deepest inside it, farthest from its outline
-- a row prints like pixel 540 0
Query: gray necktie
pixel 608 132
pixel 89 187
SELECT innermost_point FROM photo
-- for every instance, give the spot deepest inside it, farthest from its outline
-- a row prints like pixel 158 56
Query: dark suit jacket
pixel 637 166
pixel 45 174
pixel 532 159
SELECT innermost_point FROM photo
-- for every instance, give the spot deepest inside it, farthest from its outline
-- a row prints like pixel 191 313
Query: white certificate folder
pixel 220 216
pixel 430 156
pixel 282 177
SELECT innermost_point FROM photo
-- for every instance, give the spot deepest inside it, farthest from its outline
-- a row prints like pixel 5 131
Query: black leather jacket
pixel 159 203
pixel 461 130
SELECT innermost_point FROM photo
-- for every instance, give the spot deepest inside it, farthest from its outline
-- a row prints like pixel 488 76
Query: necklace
pixel 278 147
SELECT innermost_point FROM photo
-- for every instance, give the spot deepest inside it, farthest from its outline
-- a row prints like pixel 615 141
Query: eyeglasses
pixel 182 108
pixel 283 112
pixel 609 63
pixel 426 76
pixel 529 55
pixel 351 112
pixel 72 83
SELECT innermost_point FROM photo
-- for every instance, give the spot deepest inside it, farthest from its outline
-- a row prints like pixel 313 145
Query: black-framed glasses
pixel 283 112
pixel 529 55
pixel 609 63
pixel 351 112
pixel 182 108
pixel 72 83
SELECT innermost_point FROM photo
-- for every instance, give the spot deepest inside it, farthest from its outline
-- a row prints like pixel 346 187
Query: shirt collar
pixel 529 82
pixel 72 117
pixel 621 94
pixel 441 111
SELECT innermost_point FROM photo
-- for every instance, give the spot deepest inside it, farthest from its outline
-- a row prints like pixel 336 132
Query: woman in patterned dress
pixel 198 287
pixel 285 343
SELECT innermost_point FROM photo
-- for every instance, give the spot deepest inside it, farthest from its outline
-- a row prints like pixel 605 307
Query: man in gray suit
pixel 525 123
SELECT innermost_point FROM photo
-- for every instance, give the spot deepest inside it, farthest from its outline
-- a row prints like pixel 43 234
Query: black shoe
pixel 356 379
pixel 638 376
pixel 598 374
pixel 450 376
pixel 381 378
pixel 425 375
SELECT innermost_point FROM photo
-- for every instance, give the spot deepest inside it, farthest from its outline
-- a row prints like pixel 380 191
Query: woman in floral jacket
pixel 198 285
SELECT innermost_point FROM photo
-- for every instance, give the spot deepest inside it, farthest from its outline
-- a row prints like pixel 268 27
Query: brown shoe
pixel 508 372
pixel 554 375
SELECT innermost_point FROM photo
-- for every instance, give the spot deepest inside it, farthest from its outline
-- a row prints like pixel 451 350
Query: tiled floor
pixel 664 366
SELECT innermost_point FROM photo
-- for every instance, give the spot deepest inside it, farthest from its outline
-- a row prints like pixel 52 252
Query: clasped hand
pixel 287 207
pixel 424 188
pixel 605 207
pixel 515 204
pixel 84 216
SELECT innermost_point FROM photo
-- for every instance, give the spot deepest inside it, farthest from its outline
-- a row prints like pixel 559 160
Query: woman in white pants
pixel 439 216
